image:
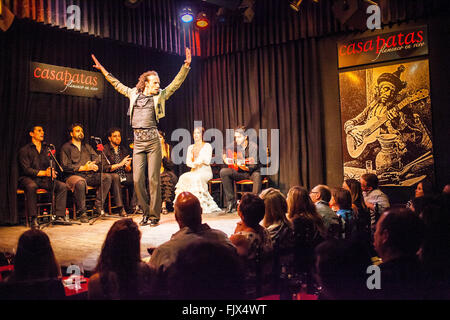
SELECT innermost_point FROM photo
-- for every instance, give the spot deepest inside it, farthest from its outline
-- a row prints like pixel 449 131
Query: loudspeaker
pixel 352 13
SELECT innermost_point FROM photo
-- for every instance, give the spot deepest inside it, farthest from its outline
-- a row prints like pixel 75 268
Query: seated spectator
pixel 321 196
pixel 309 229
pixel 342 199
pixel 340 269
pixel 424 189
pixel 254 245
pixel 398 237
pixel 206 270
pixel 120 274
pixel 188 214
pixel 420 204
pixel 375 199
pixel 280 230
pixel 435 253
pixel 37 275
pixel 362 214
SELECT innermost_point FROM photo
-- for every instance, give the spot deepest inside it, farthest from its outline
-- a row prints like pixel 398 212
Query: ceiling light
pixel 186 15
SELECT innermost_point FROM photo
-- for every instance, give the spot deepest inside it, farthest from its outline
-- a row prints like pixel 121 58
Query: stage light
pixel 186 15
pixel 202 21
pixel 296 5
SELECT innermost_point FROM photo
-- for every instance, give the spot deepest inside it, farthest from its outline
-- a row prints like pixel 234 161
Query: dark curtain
pixel 275 87
pixel 151 23
pixel 27 41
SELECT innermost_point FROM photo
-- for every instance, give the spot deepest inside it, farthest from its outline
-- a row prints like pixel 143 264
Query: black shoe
pixel 34 223
pixel 230 207
pixel 96 212
pixel 123 213
pixel 62 219
pixel 154 222
pixel 138 210
pixel 84 218
pixel 144 221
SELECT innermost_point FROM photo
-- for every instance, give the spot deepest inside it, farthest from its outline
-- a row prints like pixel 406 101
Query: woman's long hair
pixel 140 86
pixel 276 207
pixel 342 197
pixel 300 205
pixel 120 257
pixel 356 193
pixel 35 258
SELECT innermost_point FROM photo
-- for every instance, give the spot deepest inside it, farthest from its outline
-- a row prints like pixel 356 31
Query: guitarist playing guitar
pixel 240 159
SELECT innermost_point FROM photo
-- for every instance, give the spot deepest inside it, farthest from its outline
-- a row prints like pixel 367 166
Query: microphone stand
pixel 52 220
pixel 102 211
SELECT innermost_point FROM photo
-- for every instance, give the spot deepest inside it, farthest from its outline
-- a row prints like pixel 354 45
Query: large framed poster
pixel 386 122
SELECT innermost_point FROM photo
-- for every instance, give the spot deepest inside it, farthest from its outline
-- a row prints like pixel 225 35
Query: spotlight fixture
pixel 296 5
pixel 202 21
pixel 186 15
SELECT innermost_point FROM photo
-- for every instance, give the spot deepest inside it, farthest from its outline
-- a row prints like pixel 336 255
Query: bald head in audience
pixel 188 211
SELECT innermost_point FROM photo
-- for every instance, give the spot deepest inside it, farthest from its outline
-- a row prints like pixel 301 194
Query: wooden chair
pixel 239 186
pixel 126 199
pixel 43 200
pixel 90 197
pixel 212 183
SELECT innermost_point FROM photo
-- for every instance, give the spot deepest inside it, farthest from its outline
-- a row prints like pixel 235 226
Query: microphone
pixel 45 144
pixel 95 138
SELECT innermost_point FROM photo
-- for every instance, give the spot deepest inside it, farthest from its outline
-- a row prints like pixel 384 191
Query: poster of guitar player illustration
pixel 386 123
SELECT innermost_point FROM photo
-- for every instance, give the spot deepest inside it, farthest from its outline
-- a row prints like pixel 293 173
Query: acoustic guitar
pixel 371 129
pixel 237 161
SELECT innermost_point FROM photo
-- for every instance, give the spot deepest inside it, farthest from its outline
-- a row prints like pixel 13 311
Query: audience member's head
pixel 369 182
pixel 251 209
pixel 206 270
pixel 424 188
pixel 276 206
pixel 300 205
pixel 121 248
pixel 340 269
pixel 34 258
pixel 354 186
pixel 188 211
pixel 341 198
pixel 299 202
pixel 320 192
pixel 399 233
pixel 120 257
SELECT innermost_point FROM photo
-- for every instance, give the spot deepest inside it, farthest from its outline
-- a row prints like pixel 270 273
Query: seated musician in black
pixel 81 164
pixel 119 156
pixel 35 173
pixel 240 156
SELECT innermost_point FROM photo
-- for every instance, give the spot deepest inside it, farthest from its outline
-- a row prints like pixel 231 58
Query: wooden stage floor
pixel 82 243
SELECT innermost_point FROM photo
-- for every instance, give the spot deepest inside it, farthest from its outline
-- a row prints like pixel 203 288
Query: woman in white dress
pixel 196 181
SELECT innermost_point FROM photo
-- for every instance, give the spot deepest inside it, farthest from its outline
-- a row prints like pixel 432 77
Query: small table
pixel 72 290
